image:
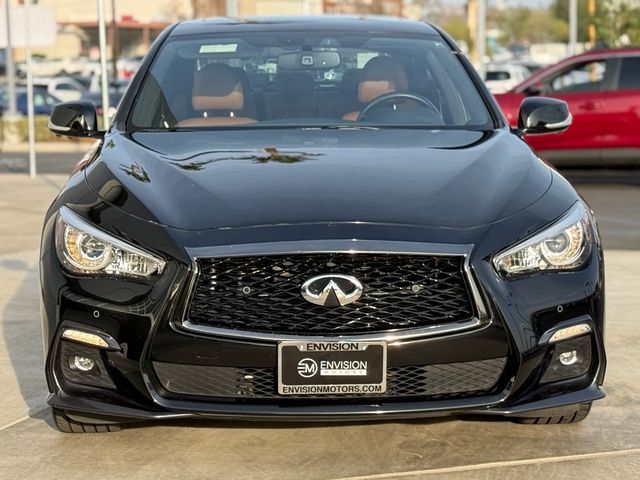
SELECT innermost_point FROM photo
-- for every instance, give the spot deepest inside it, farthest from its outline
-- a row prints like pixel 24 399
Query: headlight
pixel 563 246
pixel 83 248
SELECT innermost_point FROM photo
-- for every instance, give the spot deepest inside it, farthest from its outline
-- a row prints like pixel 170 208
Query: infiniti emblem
pixel 332 290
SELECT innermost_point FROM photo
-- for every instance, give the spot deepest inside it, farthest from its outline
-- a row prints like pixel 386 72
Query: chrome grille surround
pixel 479 319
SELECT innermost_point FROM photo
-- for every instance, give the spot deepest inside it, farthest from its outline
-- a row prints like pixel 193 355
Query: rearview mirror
pixel 543 115
pixel 75 119
pixel 309 60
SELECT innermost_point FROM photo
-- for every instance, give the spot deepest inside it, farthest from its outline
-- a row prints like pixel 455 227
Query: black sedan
pixel 317 219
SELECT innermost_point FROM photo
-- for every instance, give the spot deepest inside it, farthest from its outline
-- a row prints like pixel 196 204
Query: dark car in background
pixel 116 90
pixel 602 89
pixel 317 219
pixel 43 102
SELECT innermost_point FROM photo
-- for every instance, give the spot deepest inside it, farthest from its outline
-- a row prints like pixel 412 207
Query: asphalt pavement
pixel 46 162
pixel 606 445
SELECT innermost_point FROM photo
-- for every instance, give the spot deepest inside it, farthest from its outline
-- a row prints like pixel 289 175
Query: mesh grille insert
pixel 448 379
pixel 262 293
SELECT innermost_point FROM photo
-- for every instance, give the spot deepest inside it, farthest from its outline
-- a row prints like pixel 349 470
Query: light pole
pixel 573 26
pixel 481 33
pixel 232 8
pixel 114 40
pixel 10 68
pixel 30 112
pixel 102 34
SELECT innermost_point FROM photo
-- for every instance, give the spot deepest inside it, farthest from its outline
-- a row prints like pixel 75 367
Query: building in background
pixel 248 8
pixel 374 7
pixel 132 25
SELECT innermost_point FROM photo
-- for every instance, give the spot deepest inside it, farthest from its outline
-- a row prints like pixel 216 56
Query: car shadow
pixel 22 335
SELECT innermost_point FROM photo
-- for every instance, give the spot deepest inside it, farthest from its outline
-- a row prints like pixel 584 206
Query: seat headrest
pixel 381 75
pixel 217 87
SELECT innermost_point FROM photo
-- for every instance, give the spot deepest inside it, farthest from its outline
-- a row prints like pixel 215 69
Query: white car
pixel 65 88
pixel 502 78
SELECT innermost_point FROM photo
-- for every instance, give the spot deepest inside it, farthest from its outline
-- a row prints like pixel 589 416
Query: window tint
pixel 307 79
pixel 629 73
pixel 585 77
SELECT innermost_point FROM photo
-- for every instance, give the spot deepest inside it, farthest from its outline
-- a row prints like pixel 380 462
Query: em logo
pixel 307 367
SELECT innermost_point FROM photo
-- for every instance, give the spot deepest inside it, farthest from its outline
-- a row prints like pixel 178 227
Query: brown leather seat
pixel 379 76
pixel 218 96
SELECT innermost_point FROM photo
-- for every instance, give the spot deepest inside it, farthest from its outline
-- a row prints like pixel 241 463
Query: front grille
pixel 262 294
pixel 433 381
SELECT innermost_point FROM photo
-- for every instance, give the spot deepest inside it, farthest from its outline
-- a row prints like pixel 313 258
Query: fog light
pixel 83 364
pixel 568 358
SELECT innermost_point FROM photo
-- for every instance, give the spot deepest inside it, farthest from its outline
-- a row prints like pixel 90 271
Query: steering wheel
pixel 387 97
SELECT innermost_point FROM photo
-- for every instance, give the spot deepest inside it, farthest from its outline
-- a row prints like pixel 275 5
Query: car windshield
pixel 294 79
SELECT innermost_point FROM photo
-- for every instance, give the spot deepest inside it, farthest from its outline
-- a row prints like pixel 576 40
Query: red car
pixel 602 89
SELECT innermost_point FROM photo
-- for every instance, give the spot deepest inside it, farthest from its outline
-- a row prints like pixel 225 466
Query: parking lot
pixel 607 444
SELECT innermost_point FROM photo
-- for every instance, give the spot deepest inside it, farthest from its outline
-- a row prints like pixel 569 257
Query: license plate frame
pixel 331 367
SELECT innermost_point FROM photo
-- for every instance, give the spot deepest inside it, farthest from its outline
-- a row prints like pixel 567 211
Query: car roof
pixel 609 52
pixel 360 23
pixel 568 61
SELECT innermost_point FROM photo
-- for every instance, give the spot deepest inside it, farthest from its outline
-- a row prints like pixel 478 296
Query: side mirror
pixel 75 119
pixel 543 115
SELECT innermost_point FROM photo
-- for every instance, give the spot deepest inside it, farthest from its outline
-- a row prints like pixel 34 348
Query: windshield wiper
pixel 341 127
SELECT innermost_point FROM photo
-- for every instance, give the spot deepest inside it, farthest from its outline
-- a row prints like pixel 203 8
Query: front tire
pixel 551 416
pixel 66 425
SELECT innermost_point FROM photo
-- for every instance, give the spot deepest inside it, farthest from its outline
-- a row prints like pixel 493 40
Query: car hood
pixel 239 178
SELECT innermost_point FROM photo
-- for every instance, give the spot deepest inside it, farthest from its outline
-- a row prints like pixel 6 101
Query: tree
pixel 431 10
pixel 456 26
pixel 619 23
pixel 525 25
pixel 560 10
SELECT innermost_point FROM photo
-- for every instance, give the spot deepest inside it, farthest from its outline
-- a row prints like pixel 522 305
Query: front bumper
pixel 145 322
pixel 138 394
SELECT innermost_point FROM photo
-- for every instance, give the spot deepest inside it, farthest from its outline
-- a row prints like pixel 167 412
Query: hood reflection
pixel 136 171
pixel 271 154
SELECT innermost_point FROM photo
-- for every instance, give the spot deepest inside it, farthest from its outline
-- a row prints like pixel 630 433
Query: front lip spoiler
pixel 589 394
pixel 81 408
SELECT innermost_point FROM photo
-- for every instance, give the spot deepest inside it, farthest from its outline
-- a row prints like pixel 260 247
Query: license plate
pixel 331 368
